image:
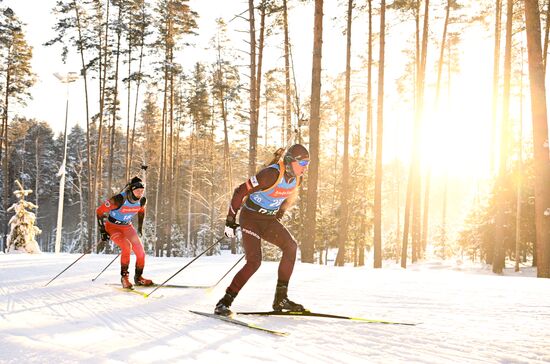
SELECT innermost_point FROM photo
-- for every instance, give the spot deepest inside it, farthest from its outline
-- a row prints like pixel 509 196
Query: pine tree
pixel 22 229
pixel 16 77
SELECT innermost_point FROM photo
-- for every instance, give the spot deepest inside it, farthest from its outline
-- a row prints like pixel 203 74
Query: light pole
pixel 68 78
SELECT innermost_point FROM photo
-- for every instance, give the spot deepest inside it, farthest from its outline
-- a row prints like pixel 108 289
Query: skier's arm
pixel 263 180
pixel 141 215
pixel 103 211
pixel 111 204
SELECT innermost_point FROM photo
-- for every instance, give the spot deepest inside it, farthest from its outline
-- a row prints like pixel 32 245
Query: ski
pixel 135 291
pixel 231 320
pixel 324 315
pixel 132 290
pixel 166 285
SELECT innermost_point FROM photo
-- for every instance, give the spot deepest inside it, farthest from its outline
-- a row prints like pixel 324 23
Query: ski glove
pixel 230 227
pixel 102 231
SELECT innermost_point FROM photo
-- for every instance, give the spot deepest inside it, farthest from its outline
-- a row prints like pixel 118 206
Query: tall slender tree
pixel 379 137
pixel 344 205
pixel 286 47
pixel 500 219
pixel 253 139
pixel 496 77
pixel 308 245
pixel 138 29
pixel 540 137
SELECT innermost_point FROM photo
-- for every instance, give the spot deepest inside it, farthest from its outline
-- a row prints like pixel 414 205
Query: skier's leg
pixel 253 253
pixel 137 247
pixel 278 235
pixel 118 237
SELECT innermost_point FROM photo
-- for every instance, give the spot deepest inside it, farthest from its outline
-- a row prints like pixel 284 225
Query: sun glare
pixel 456 139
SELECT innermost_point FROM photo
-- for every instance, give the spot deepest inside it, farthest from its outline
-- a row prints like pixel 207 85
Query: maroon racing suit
pixel 257 225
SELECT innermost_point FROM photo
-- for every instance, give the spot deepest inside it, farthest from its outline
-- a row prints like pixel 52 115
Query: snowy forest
pixel 403 164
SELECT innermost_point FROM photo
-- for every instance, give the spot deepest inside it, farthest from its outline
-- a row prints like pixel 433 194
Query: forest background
pixel 417 116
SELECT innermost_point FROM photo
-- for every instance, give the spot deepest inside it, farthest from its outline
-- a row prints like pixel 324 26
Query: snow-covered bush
pixel 22 230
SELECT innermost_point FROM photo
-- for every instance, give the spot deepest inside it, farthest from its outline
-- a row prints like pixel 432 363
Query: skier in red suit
pixel 114 218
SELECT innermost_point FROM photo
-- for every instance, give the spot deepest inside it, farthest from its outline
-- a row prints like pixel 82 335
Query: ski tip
pixel 231 319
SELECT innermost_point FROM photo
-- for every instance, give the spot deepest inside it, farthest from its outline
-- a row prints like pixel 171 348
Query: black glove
pixel 102 231
pixel 140 231
pixel 230 227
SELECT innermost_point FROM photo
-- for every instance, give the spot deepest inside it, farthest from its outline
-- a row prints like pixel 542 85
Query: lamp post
pixel 67 79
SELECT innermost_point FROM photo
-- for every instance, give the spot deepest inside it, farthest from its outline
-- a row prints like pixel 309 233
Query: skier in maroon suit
pixel 268 195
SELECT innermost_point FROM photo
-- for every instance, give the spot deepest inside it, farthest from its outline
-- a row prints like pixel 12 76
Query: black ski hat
pixel 296 152
pixel 135 183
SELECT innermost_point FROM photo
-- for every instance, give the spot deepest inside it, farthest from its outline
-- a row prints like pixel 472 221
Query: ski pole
pixel 185 266
pixel 80 257
pixel 225 275
pixel 104 269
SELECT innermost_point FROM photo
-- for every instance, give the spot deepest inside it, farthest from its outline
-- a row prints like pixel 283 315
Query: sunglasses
pixel 303 163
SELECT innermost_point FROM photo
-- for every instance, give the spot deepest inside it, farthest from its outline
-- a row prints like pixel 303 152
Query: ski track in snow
pixel 465 315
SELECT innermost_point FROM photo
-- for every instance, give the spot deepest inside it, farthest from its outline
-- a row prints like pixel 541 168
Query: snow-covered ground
pixel 467 314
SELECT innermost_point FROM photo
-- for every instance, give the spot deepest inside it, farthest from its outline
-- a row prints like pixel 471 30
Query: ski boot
pixel 124 277
pixel 139 280
pixel 222 307
pixel 281 301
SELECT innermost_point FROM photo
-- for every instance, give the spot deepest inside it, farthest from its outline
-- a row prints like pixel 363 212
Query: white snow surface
pixel 465 314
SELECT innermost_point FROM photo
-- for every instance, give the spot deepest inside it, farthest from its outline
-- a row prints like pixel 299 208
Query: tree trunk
pixel 6 185
pixel 128 97
pixel 412 201
pixel 89 172
pixel 102 78
pixel 417 185
pixel 288 103
pixel 379 138
pixel 520 173
pixel 141 54
pixel 496 75
pixel 368 138
pixel 500 234
pixel 253 140
pixel 444 214
pixel 162 163
pixel 369 145
pixel 407 219
pixel 308 245
pixel 260 59
pixel 115 98
pixel 190 192
pixel 170 175
pixel 546 34
pixel 540 138
pixel 343 228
